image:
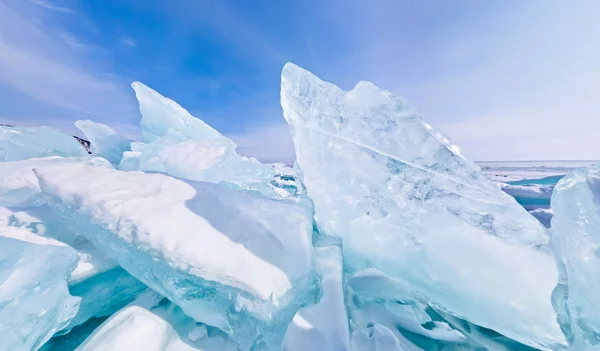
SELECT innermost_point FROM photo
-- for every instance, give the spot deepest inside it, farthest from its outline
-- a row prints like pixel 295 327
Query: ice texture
pixel 19 186
pixel 408 204
pixel 34 142
pixel 152 323
pixel 178 144
pixel 210 249
pixel 34 297
pixel 575 240
pixel 323 326
pixel 104 141
pixel 130 161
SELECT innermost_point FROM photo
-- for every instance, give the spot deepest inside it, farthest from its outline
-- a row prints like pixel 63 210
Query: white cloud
pixel 128 41
pixel 51 6
pixel 44 62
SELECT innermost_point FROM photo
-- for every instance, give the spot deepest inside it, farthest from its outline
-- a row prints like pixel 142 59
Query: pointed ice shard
pixel 235 260
pixel 34 298
pixel 164 118
pixel 104 141
pixel 575 240
pixel 33 142
pixel 408 204
pixel 178 144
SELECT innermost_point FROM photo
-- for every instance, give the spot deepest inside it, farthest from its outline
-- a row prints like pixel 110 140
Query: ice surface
pixel 405 202
pixel 152 323
pixel 530 196
pixel 178 144
pixel 323 326
pixel 515 171
pixel 34 298
pixel 575 240
pixel 34 142
pixel 210 249
pixel 104 140
pixel 19 186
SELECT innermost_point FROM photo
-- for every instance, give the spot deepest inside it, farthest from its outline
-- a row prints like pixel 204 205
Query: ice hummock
pixel 176 143
pixel 20 143
pixel 104 141
pixel 408 204
pixel 152 323
pixel 231 259
pixel 34 297
pixel 575 240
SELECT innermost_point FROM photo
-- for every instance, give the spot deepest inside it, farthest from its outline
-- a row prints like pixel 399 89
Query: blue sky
pixel 507 80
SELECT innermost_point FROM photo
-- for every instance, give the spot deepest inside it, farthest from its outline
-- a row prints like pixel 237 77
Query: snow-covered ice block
pixel 152 323
pixel 19 186
pixel 232 259
pixel 34 142
pixel 104 141
pixel 323 326
pixel 34 297
pixel 575 240
pixel 406 203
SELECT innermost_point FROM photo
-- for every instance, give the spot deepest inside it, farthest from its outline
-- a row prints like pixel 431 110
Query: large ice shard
pixel 323 326
pixel 232 259
pixel 152 323
pixel 164 118
pixel 104 140
pixel 34 297
pixel 33 142
pixel 178 144
pixel 575 240
pixel 408 204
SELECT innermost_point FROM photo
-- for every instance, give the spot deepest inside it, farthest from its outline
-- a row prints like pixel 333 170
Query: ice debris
pixel 408 204
pixel 210 249
pixel 34 297
pixel 20 143
pixel 104 140
pixel 152 323
pixel 575 240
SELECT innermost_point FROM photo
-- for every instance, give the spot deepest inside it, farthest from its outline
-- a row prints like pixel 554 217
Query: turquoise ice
pixel 575 240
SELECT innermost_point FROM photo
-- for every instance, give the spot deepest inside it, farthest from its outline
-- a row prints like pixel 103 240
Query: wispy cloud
pixel 48 5
pixel 127 41
pixel 45 62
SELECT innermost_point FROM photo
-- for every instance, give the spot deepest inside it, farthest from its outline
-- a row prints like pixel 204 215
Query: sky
pixel 506 79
